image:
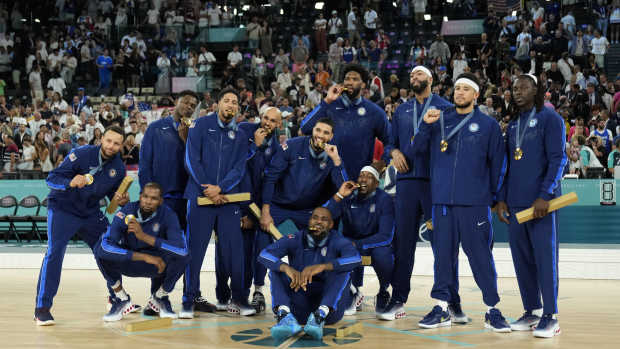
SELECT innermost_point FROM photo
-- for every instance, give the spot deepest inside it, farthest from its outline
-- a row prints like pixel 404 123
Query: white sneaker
pixel 356 304
pixel 222 306
pixel 547 327
pixel 119 310
pixel 187 312
pixel 392 312
pixel 241 309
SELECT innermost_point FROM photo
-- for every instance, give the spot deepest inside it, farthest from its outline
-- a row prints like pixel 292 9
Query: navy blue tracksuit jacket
pixel 534 244
pixel 357 124
pixel 296 177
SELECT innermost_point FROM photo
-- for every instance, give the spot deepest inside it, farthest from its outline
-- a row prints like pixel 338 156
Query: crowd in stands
pixel 293 54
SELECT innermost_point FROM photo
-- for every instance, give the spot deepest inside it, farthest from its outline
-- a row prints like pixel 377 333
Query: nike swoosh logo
pixel 354 206
pixel 448 126
pixel 481 223
pixel 165 128
pixel 339 108
pixel 301 158
pixel 211 130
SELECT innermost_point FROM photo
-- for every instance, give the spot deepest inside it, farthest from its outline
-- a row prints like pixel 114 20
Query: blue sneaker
pixel 436 318
pixel 547 327
pixel 495 320
pixel 119 309
pixel 187 311
pixel 456 314
pixel 383 299
pixel 43 317
pixel 525 322
pixel 286 327
pixel 314 326
pixel 164 306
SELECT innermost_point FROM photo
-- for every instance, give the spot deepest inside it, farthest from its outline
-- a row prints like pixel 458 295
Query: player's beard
pixel 463 105
pixel 419 88
pixel 353 93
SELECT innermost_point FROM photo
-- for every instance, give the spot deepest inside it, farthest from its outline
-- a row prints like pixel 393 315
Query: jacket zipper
pixel 456 157
pixel 219 162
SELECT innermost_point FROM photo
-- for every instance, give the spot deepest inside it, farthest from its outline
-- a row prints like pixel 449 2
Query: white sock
pixel 537 312
pixel 353 289
pixel 284 308
pixel 324 309
pixel 258 289
pixel 161 293
pixel 489 309
pixel 116 285
pixel 554 316
pixel 443 305
pixel 122 295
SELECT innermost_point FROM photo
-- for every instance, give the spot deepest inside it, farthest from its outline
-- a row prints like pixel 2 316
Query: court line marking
pixel 410 333
pixel 200 325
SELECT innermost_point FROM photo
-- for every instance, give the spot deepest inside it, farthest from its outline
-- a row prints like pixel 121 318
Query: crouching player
pixel 368 220
pixel 144 240
pixel 315 286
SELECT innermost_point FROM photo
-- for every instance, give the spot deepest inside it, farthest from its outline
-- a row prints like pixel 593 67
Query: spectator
pixel 353 26
pixel 300 55
pixel 253 32
pixel 34 79
pixel 36 123
pixel 11 153
pixel 602 133
pixel 370 21
pixel 265 34
pixel 334 26
pixel 335 58
pixel 613 160
pixel 105 64
pixel 215 13
pixel 614 21
pixel 234 57
pixel 192 64
pixel 579 129
pixel 440 50
pixel 569 22
pixel 43 153
pixel 259 69
pixel 599 47
pixel 320 33
pixel 205 61
pixel 285 78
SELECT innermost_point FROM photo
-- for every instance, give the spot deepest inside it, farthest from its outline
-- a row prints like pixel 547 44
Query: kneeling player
pixel 368 220
pixel 144 240
pixel 314 286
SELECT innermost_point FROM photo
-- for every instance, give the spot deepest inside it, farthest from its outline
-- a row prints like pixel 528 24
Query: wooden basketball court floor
pixel 589 318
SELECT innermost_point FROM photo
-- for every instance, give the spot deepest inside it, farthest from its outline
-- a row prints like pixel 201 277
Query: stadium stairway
pixel 613 61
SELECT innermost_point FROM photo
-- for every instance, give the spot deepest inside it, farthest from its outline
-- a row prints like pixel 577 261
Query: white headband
pixel 371 170
pixel 423 69
pixel 533 78
pixel 469 82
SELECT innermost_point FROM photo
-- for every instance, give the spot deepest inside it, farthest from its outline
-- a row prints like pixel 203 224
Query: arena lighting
pixel 445 18
pixel 427 17
pixel 514 13
pixel 37 20
pixel 319 5
pixel 450 1
pixel 281 12
pixel 246 7
pixel 394 4
pixel 235 11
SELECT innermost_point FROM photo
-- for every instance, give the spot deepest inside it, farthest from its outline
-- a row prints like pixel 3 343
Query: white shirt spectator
pixel 459 66
pixel 214 16
pixel 285 80
pixel 334 25
pixel 35 125
pixel 60 106
pixel 53 60
pixel 370 19
pixel 537 13
pixel 153 16
pixel 29 60
pixel 205 60
pixel 521 38
pixel 234 57
pixel 569 22
pixel 131 38
pixel 35 80
pixel 57 85
pixel 90 130
pixel 320 24
pixel 565 67
pixel 351 19
pixel 599 46
pixel 163 62
pixel 27 162
pixel 63 120
pixel 203 20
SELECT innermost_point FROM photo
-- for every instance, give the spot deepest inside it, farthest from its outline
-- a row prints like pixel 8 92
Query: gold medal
pixel 89 179
pixel 129 218
pixel 518 154
pixel 443 145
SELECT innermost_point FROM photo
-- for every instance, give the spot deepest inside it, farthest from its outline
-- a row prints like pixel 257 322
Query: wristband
pixel 339 196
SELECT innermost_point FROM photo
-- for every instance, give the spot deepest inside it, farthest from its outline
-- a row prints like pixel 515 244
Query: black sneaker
pixel 258 302
pixel 456 313
pixel 203 305
pixel 383 298
pixel 151 308
pixel 43 317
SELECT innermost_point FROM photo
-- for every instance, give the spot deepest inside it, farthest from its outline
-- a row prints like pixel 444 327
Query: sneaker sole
pixel 183 315
pixel 223 307
pixel 248 312
pixel 126 310
pixel 498 330
pixel 280 334
pixel 547 334
pixel 523 327
pixel 441 324
pixel 349 312
pixel 45 323
pixel 314 332
pixel 461 320
pixel 392 317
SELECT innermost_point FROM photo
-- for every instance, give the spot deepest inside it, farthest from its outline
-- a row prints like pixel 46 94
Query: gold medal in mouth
pixel 129 218
pixel 518 154
pixel 187 121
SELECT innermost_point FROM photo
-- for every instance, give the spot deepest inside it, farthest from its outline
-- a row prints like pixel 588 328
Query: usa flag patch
pixel 72 157
pixel 120 215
